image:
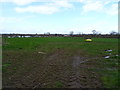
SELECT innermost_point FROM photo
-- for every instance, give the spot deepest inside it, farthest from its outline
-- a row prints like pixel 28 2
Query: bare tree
pixel 94 31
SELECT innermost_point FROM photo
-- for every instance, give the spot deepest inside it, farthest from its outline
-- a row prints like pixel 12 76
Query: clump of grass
pixel 5 66
pixel 58 84
pixel 109 75
pixel 110 81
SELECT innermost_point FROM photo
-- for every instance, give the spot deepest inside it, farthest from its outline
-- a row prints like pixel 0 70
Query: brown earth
pixel 58 69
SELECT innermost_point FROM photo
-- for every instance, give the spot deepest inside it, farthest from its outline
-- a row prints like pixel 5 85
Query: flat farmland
pixel 60 62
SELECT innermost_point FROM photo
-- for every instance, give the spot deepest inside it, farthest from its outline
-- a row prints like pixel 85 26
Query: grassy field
pixel 58 62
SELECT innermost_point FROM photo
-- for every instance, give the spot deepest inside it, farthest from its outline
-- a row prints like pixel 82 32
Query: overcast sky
pixel 58 16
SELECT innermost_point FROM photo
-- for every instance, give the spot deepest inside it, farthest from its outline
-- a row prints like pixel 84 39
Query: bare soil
pixel 58 69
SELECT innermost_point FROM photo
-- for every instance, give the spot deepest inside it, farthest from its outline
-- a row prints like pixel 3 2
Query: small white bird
pixel 109 50
pixel 41 52
pixel 107 57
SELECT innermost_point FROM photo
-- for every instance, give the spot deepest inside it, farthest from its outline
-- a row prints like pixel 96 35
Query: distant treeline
pixel 62 35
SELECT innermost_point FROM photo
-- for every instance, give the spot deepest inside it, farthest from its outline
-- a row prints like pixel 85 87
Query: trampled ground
pixel 60 62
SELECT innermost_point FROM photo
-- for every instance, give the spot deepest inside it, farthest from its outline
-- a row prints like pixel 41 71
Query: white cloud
pixel 10 19
pixel 19 2
pixel 62 4
pixel 103 1
pixel 48 8
pixel 38 9
pixel 100 6
pixel 54 6
pixel 113 10
pixel 97 6
pixel 25 2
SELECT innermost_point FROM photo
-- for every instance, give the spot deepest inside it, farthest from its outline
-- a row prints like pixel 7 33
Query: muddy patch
pixel 77 60
pixel 79 77
pixel 56 69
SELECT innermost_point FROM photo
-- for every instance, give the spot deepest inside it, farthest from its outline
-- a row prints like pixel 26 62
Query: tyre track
pixel 78 77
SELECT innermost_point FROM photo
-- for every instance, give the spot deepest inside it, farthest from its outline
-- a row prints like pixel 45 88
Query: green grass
pixel 72 44
pixel 58 84
pixel 50 43
pixel 5 66
pixel 111 78
pixel 110 81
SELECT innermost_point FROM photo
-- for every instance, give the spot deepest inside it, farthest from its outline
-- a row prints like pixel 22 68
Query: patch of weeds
pixel 115 57
pixel 111 80
pixel 108 77
pixel 20 48
pixel 5 66
pixel 14 68
pixel 58 84
pixel 110 63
